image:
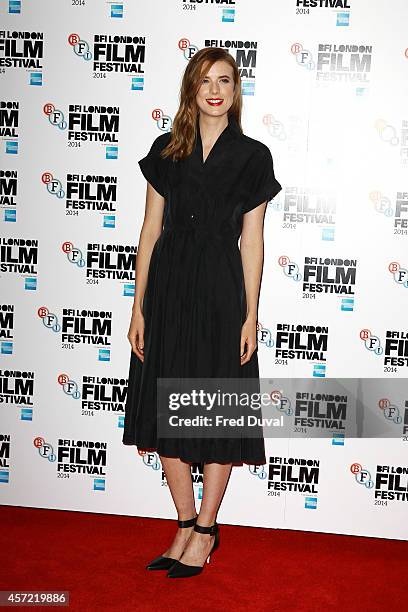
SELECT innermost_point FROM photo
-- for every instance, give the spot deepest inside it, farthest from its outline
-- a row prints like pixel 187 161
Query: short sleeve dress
pixel 194 304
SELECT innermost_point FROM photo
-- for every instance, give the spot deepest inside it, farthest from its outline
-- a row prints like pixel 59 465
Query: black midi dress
pixel 195 303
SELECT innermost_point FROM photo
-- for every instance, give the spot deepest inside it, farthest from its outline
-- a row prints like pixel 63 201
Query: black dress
pixel 195 303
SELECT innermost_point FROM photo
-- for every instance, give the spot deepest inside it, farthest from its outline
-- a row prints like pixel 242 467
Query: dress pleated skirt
pixel 194 307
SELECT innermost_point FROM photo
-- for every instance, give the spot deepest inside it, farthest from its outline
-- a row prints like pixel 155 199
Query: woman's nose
pixel 215 88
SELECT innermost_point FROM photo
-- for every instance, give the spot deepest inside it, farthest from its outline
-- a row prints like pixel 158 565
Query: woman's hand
pixel 136 334
pixel 248 338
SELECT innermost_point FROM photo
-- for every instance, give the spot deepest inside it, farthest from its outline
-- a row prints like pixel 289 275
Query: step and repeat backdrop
pixel 86 86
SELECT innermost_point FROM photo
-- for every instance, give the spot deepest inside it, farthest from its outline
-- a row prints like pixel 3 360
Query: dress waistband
pixel 201 230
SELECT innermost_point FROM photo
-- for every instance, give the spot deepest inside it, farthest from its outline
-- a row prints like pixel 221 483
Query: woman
pixel 195 309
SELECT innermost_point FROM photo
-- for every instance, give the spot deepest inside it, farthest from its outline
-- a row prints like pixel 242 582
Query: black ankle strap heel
pixel 181 570
pixel 165 563
pixel 212 531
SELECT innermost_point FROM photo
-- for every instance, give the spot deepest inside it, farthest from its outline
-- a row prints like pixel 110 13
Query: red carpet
pixel 100 559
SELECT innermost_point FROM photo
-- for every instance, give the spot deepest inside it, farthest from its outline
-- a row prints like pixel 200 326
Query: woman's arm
pixel 252 254
pixel 150 232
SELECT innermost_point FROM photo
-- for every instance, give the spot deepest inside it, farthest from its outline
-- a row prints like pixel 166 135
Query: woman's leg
pixel 199 546
pixel 178 476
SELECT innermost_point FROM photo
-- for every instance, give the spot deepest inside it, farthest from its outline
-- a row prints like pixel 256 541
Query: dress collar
pixel 233 126
pixel 230 132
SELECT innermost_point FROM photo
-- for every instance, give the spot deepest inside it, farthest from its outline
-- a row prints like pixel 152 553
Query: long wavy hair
pixel 184 130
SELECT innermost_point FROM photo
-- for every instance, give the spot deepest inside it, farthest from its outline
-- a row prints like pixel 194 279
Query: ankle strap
pixel 208 530
pixel 188 523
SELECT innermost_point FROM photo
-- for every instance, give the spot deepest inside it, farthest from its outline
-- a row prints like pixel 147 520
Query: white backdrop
pixel 85 88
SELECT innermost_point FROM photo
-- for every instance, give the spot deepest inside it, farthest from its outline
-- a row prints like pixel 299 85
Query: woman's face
pixel 216 92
